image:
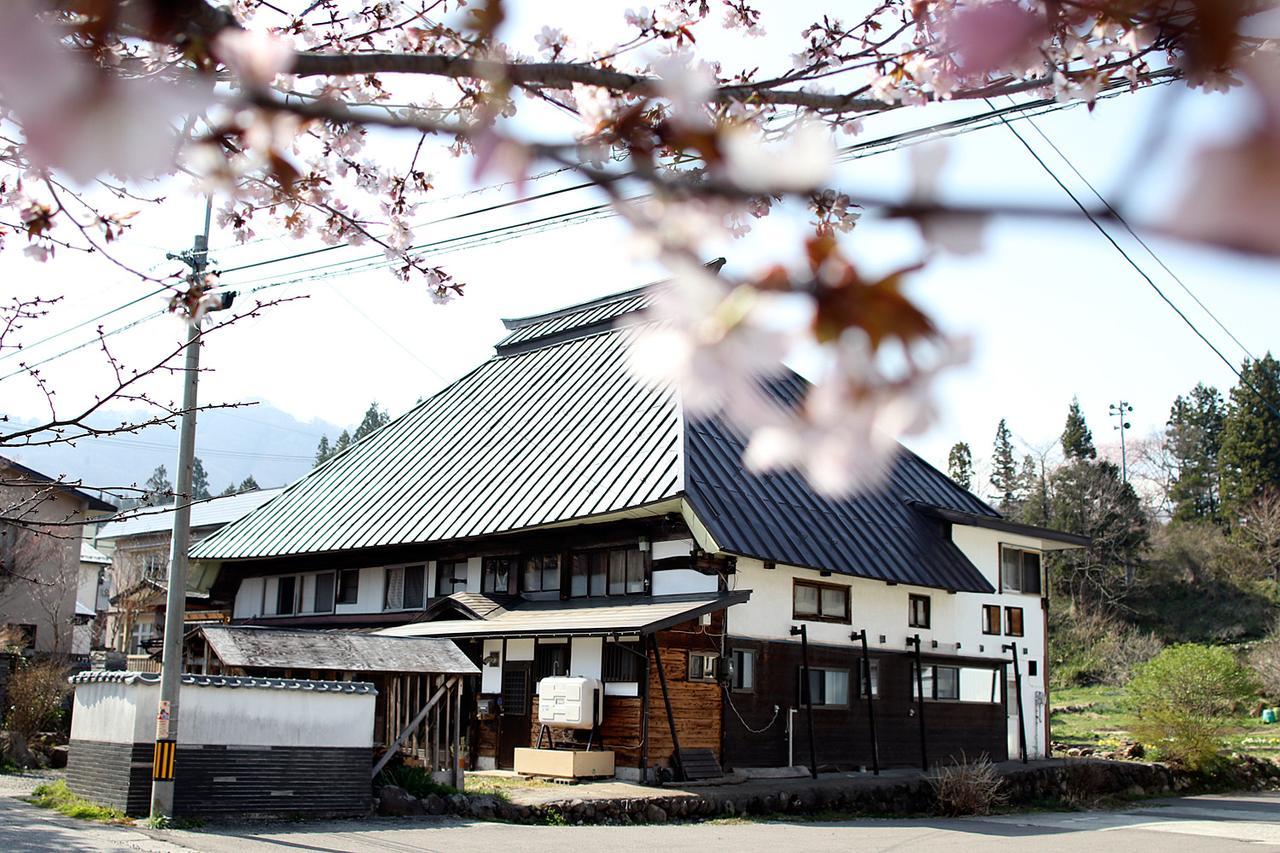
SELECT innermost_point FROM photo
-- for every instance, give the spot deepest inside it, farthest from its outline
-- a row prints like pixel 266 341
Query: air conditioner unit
pixel 570 702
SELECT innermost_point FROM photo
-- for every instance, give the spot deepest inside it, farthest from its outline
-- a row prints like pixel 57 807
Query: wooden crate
pixel 564 763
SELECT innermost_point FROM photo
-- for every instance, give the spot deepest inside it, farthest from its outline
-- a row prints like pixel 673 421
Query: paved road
pixel 1216 824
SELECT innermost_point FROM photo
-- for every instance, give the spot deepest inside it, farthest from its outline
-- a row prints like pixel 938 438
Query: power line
pixel 1115 214
pixel 1138 269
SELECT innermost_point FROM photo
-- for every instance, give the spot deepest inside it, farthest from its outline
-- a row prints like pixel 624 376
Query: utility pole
pixel 1122 411
pixel 166 743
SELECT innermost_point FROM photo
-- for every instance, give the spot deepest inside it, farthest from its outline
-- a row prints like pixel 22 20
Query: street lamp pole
pixel 176 596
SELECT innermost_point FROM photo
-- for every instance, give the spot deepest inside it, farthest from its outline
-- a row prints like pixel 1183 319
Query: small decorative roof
pixel 95 676
pixel 287 648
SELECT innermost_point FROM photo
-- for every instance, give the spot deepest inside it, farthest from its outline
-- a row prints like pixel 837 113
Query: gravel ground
pixel 22 784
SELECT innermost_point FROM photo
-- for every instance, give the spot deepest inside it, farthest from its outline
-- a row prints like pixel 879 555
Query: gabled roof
pixel 213 512
pixel 36 479
pixel 555 429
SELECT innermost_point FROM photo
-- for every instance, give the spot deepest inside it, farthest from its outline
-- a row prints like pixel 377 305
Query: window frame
pixel 913 599
pixel 1008 622
pixel 542 572
pixel 343 586
pixel 987 611
pixel 800 673
pixel 1023 551
pixel 453 576
pixel 488 574
pixel 296 591
pixel 708 667
pixel 933 680
pixel 561 650
pixel 609 670
pixel 332 601
pixel 820 616
pixel 592 559
pixel 874 665
pixel 386 587
pixel 736 682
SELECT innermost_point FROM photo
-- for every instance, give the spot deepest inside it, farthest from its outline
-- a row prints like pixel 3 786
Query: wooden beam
pixel 871 705
pixel 386 756
pixel 666 700
pixel 807 693
pixel 924 746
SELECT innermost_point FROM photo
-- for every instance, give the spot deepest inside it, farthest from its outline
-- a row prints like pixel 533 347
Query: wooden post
pixel 807 693
pixel 871 705
pixel 666 700
pixel 455 767
pixel 644 717
pixel 1017 692
pixel 924 746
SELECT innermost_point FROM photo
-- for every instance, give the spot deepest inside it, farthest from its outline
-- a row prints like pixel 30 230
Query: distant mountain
pixel 261 440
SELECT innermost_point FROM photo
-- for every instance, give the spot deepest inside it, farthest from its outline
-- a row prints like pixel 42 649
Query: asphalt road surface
pixel 1209 824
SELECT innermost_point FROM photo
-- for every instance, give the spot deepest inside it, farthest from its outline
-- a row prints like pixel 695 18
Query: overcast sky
pixel 1054 310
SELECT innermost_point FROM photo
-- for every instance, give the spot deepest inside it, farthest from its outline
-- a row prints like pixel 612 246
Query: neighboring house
pixel 555 515
pixel 40 559
pixel 91 599
pixel 139 547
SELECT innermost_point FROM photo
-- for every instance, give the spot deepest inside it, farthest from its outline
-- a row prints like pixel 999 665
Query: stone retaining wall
pixel 1064 781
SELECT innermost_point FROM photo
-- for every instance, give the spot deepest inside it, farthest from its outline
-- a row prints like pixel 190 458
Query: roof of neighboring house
pixel 154 585
pixel 94 676
pixel 637 614
pixel 282 648
pixel 209 513
pixel 90 554
pixel 37 479
pixel 555 428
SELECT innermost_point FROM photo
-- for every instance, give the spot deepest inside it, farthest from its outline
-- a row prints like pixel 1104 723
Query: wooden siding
pixel 842 734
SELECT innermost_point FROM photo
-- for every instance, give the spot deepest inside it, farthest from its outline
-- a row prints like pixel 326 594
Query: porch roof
pixel 588 617
pixel 277 648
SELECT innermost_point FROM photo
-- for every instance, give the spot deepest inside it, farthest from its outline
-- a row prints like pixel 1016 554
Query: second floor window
pixel 404 587
pixel 820 602
pixel 918 614
pixel 1019 570
pixel 615 572
pixel 451 576
pixel 540 573
pixel 322 601
pixel 286 595
pixel 496 573
pixel 349 586
pixel 1013 621
pixel 991 619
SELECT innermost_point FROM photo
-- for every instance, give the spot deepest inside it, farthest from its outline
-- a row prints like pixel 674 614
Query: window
pixel 614 572
pixel 621 662
pixel 155 564
pixel 828 688
pixel 702 666
pixel 1019 570
pixel 744 670
pixel 451 576
pixel 820 602
pixel 323 600
pixel 1013 621
pixel 551 659
pixel 1032 669
pixel 404 588
pixel 860 689
pixel 939 682
pixel 349 586
pixel 138 637
pixel 286 595
pixel 495 574
pixel 415 585
pixel 541 573
pixel 918 611
pixel 991 619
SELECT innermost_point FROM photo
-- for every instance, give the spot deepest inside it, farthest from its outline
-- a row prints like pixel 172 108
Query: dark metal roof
pixel 997 523
pixel 276 648
pixel 779 517
pixel 30 477
pixel 561 431
pixel 299 684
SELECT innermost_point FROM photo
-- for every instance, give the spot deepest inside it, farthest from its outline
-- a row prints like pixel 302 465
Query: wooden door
pixel 515 724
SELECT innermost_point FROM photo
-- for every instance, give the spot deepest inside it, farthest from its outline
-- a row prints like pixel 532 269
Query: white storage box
pixel 570 702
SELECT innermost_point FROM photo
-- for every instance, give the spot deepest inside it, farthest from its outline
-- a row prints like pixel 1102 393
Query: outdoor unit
pixel 570 702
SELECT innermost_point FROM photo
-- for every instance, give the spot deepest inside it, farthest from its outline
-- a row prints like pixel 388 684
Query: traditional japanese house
pixel 555 515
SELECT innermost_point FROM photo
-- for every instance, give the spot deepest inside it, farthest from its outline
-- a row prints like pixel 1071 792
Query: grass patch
pixel 8 768
pixel 415 780
pixel 1105 723
pixel 501 786
pixel 57 796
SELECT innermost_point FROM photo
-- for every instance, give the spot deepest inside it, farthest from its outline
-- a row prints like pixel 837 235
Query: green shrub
pixel 1265 660
pixel 1095 647
pixel 1183 699
pixel 415 780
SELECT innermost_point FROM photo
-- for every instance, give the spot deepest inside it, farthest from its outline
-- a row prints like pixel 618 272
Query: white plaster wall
pixel 586 656
pixel 491 676
pixel 248 599
pixel 519 649
pixel 672 548
pixel 234 716
pixel 474 567
pixel 681 581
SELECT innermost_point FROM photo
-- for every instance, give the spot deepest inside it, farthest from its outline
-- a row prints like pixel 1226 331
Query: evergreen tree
pixel 374 419
pixel 960 465
pixel 1194 436
pixel 228 491
pixel 1077 440
pixel 199 481
pixel 159 488
pixel 1004 472
pixel 1033 492
pixel 323 451
pixel 248 484
pixel 1250 456
pixel 1091 499
pixel 343 442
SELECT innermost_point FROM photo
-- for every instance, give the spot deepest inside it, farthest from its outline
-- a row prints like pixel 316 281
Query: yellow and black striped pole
pixel 162 761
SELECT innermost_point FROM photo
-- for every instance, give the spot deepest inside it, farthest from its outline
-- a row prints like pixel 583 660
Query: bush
pixel 1264 658
pixel 36 693
pixel 1183 698
pixel 57 796
pixel 1094 647
pixel 968 787
pixel 415 780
